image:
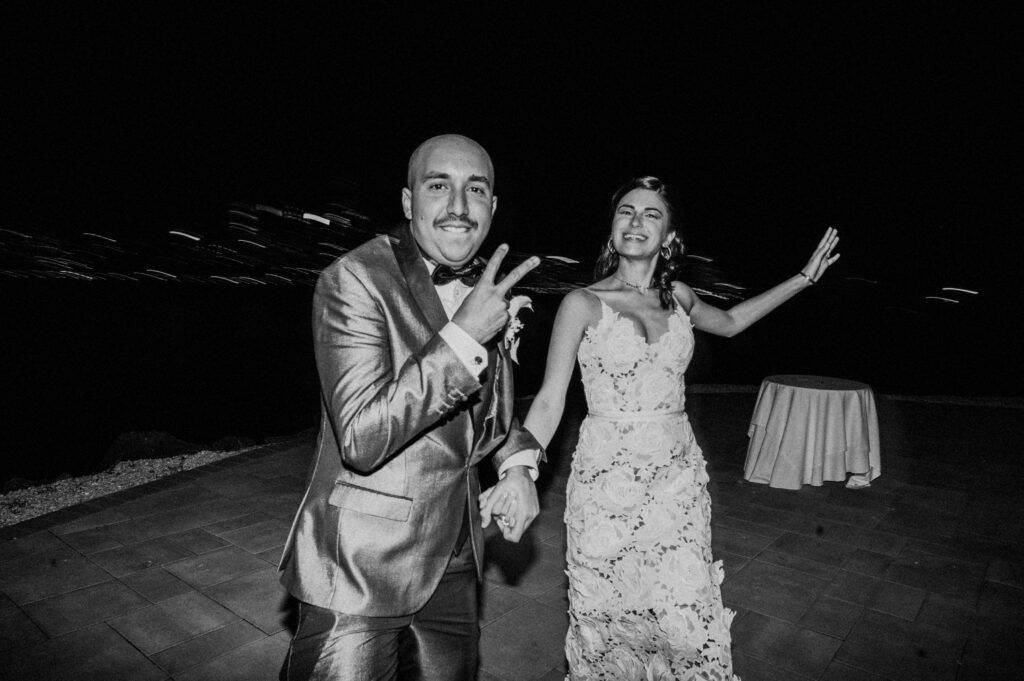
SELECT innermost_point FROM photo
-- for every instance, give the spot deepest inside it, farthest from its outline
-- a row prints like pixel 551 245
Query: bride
pixel 644 595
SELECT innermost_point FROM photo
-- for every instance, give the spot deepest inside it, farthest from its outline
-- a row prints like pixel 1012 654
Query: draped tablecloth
pixel 808 429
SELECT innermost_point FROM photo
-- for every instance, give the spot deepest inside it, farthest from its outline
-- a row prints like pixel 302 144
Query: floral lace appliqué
pixel 644 594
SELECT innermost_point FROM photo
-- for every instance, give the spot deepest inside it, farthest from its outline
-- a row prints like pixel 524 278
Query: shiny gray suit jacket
pixel 403 425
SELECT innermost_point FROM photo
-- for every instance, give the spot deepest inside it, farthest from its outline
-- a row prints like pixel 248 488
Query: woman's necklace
pixel 638 287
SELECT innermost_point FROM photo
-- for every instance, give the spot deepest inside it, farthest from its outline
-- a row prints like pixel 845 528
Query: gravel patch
pixel 24 504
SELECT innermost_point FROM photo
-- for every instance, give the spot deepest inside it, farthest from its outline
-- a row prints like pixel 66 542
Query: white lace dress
pixel 644 595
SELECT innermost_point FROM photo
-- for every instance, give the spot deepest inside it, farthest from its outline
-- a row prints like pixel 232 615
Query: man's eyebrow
pixel 480 178
pixel 436 175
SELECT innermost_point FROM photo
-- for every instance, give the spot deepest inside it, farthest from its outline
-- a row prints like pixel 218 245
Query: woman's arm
pixel 574 314
pixel 711 319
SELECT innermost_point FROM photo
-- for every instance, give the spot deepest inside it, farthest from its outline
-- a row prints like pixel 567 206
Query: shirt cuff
pixel 527 457
pixel 469 352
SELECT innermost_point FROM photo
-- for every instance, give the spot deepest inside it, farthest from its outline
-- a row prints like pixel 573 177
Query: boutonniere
pixel 515 325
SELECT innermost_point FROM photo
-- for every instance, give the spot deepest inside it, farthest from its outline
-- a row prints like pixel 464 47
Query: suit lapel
pixel 410 262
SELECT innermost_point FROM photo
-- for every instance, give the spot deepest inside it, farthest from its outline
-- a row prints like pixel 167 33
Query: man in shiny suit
pixel 416 389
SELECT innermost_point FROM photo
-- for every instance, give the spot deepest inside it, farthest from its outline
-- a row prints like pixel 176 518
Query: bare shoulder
pixel 684 295
pixel 581 308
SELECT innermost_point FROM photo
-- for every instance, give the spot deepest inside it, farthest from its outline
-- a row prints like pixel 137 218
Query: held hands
pixel 484 312
pixel 822 257
pixel 512 504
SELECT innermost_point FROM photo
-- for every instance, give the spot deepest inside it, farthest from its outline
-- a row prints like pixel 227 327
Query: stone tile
pixel 28 545
pixel 197 541
pixel 868 563
pixel 97 653
pixel 837 671
pixel 984 662
pixel 207 646
pixel 877 541
pixel 772 590
pixel 534 627
pixel 172 621
pixel 91 541
pixel 777 520
pixel 744 526
pixel 92 521
pixel 520 568
pixel 731 563
pixel 257 661
pixel 236 523
pixel 851 515
pixel 946 618
pixel 6 603
pixel 831 616
pixel 898 649
pixel 271 556
pixel 1006 573
pixel 727 539
pixel 175 521
pixel 755 669
pixel 811 567
pixel 854 588
pixel 934 573
pixel 824 530
pixel 1000 615
pixel 918 522
pixel 170 500
pixel 218 566
pixel 17 630
pixel 46 574
pixel 142 556
pixel 898 600
pixel 257 597
pixel 155 585
pixel 259 537
pixel 784 645
pixel 812 548
pixel 497 600
pixel 234 485
pixel 64 613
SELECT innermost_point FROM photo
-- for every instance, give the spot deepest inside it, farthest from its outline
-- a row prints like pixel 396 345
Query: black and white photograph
pixel 485 341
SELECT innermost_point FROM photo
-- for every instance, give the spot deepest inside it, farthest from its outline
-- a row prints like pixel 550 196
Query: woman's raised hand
pixel 822 257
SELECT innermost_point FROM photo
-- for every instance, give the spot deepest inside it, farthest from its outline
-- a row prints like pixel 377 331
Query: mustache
pixel 452 220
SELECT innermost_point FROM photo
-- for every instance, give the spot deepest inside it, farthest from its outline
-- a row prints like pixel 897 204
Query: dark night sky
pixel 898 124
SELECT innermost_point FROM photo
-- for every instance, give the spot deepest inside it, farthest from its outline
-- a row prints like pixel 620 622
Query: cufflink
pixel 478 360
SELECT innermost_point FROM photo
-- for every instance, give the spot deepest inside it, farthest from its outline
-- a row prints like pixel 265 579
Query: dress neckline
pixel 678 314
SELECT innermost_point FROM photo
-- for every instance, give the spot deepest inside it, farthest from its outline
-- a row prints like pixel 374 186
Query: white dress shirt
pixel 474 357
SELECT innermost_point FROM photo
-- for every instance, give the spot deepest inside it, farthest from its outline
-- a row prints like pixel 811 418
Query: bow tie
pixel 468 274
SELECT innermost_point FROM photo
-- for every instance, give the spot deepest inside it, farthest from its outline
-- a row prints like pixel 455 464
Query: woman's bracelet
pixel 809 280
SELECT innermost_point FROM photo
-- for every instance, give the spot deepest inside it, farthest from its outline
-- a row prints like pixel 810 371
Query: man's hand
pixel 484 312
pixel 512 503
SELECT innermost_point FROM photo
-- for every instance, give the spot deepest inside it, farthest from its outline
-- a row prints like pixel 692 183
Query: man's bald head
pixel 453 141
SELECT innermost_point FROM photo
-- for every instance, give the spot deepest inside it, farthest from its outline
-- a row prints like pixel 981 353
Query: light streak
pixel 246 241
pixel 700 257
pixel 149 269
pixel 961 290
pixel 562 258
pixel 316 218
pixel 217 276
pixel 100 236
pixel 869 281
pixel 184 234
pixel 947 300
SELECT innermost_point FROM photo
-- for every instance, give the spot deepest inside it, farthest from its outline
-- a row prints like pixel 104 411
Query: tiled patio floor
pixel 919 577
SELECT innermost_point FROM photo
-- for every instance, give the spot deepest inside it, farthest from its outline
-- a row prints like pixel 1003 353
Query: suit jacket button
pixel 478 360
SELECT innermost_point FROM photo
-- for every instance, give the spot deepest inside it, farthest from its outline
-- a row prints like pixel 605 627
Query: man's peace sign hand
pixel 484 312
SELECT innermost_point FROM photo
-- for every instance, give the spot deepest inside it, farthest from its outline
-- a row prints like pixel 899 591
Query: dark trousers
pixel 438 643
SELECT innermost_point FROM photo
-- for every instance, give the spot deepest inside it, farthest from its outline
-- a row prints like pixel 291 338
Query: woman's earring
pixel 610 246
pixel 666 252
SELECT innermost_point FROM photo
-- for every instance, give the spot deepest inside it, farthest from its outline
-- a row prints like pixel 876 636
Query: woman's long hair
pixel 667 268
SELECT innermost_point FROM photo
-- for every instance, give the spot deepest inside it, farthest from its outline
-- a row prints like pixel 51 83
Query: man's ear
pixel 407 202
pixel 494 205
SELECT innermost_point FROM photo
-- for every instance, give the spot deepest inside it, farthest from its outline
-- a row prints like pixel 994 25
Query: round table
pixel 809 429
